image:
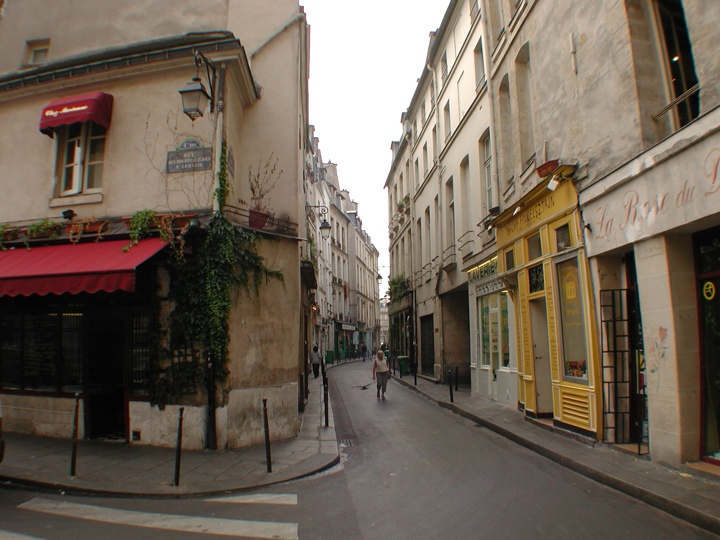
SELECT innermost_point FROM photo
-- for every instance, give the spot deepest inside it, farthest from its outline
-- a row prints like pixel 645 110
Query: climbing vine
pixel 202 288
pixel 398 286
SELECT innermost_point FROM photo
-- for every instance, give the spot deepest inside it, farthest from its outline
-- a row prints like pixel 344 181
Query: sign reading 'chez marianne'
pixel 189 156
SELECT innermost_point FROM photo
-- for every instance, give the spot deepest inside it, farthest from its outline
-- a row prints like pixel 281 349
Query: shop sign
pixel 488 287
pixel 679 191
pixel 350 327
pixel 531 215
pixel 189 156
pixel 483 271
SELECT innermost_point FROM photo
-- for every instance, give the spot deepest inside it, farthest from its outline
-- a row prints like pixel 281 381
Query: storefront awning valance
pixel 95 107
pixel 74 268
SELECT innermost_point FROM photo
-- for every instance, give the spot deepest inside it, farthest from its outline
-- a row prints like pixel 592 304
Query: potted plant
pixel 262 181
pixel 7 234
pixel 44 229
pixel 76 228
pixel 140 225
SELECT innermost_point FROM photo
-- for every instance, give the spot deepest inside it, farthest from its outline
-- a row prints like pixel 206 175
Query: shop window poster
pixel 572 321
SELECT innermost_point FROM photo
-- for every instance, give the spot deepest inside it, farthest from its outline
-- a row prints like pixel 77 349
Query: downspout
pixel 296 18
pixel 219 131
pixel 211 422
pixel 441 224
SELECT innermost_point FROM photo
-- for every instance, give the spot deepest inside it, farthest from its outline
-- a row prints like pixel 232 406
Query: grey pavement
pixel 113 468
pixel 691 493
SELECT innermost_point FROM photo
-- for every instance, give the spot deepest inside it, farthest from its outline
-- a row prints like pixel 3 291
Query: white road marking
pixel 222 527
pixel 7 535
pixel 260 498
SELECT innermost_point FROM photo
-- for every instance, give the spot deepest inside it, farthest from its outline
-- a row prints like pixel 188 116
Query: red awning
pixel 74 268
pixel 95 107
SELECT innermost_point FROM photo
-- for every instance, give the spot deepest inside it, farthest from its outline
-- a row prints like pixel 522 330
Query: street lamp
pixel 325 227
pixel 195 97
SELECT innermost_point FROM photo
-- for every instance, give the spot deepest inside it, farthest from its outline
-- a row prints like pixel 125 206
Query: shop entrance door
pixel 707 251
pixel 541 358
pixel 427 345
pixel 106 404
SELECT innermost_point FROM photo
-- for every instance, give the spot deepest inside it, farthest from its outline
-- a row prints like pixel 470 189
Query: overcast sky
pixel 365 60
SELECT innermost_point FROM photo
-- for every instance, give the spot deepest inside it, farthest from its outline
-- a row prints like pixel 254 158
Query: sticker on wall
pixel 708 290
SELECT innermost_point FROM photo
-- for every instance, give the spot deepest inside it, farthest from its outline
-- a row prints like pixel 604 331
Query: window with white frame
pixel 474 9
pixel 446 120
pixel 524 100
pixel 676 49
pixel 480 78
pixel 487 171
pixel 80 157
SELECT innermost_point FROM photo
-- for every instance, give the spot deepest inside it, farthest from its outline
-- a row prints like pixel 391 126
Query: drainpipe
pixel 210 424
pixel 441 224
pixel 296 18
pixel 219 131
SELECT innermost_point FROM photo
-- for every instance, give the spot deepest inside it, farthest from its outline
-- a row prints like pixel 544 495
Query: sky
pixel 365 61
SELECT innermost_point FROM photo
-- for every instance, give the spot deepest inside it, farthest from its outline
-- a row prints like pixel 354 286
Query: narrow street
pixel 410 469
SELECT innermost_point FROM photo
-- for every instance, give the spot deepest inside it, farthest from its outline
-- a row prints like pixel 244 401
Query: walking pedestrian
pixel 315 360
pixel 381 369
pixel 363 349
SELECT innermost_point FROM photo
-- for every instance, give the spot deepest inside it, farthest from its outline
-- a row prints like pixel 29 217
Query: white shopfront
pixel 493 366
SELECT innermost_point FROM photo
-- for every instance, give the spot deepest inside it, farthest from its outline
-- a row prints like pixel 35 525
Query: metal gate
pixel 427 345
pixel 624 398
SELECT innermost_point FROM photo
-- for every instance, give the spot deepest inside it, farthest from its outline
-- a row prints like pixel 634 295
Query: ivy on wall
pixel 202 288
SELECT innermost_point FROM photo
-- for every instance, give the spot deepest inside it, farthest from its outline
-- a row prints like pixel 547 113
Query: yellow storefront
pixel 542 261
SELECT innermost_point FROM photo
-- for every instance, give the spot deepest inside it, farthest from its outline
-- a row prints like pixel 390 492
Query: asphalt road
pixel 410 470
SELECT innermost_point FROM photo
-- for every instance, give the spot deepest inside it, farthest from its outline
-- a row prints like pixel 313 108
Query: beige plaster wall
pixel 76 27
pixel 41 415
pixel 245 414
pixel 159 427
pixel 669 313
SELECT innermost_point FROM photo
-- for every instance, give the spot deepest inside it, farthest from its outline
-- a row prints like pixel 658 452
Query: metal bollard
pixel 178 447
pixel 452 400
pixel 2 442
pixel 325 397
pixel 415 371
pixel 73 458
pixel 268 458
pixel 457 378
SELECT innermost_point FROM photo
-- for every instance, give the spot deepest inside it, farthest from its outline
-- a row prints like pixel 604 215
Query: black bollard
pixel 178 447
pixel 325 398
pixel 457 378
pixel 73 458
pixel 415 371
pixel 268 458
pixel 452 400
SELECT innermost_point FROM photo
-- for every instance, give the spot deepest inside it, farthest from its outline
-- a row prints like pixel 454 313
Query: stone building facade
pixel 595 221
pixel 98 134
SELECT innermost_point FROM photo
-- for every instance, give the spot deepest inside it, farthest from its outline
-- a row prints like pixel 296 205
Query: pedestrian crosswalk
pixel 211 526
